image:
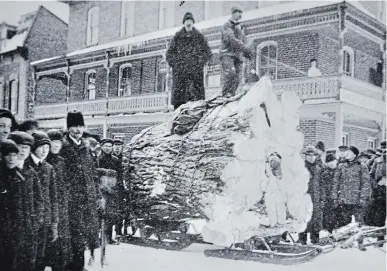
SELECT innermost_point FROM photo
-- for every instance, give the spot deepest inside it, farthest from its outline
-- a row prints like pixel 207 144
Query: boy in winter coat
pixel 19 214
pixel 108 161
pixel 232 50
pixel 315 224
pixel 49 232
pixel 351 189
pixel 62 255
pixel 328 174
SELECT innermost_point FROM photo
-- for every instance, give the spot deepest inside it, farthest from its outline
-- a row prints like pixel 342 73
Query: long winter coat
pixel 377 213
pixel 187 54
pixel 315 192
pixel 79 174
pixel 327 177
pixel 63 254
pixel 351 184
pixel 114 199
pixel 21 208
pixel 48 187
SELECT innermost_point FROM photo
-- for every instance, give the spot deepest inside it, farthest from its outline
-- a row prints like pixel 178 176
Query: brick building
pixel 115 73
pixel 39 34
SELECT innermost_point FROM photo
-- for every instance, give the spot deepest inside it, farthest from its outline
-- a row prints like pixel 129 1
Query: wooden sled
pixel 262 249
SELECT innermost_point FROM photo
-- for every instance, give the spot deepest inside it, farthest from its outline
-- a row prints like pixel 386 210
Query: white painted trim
pixel 50 72
pixel 132 7
pixel 137 56
pixel 120 75
pixel 361 127
pixel 87 65
pixel 259 49
pixel 92 11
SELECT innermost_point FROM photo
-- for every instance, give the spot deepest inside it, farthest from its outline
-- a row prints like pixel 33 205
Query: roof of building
pixel 216 22
pixel 22 30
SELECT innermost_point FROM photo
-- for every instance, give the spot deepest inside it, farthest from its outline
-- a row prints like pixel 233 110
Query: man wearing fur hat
pixel 19 210
pixel 351 190
pixel 79 175
pixel 187 54
pixel 49 231
pixel 62 251
pixel 108 161
pixel 314 190
pixel 232 50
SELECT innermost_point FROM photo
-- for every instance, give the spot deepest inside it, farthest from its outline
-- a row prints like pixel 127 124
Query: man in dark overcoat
pixel 79 174
pixel 351 191
pixel 48 183
pixel 61 255
pixel 314 226
pixel 187 54
pixel 21 207
pixel 108 161
pixel 328 174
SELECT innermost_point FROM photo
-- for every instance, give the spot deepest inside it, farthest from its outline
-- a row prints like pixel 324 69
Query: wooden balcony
pixel 325 87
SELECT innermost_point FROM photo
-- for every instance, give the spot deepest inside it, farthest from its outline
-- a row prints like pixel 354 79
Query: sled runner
pixel 267 250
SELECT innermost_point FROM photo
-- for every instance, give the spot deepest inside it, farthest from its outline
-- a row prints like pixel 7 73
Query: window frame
pixel 91 27
pixel 258 59
pixel 345 138
pixel 348 50
pixel 164 7
pixel 371 142
pixel 87 92
pixel 13 99
pixel 127 22
pixel 123 66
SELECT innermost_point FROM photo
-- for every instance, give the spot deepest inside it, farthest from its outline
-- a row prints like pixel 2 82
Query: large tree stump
pixel 238 166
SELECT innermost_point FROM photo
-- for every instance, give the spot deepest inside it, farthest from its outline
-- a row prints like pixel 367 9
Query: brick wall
pixel 367 54
pixel 325 132
pixel 328 58
pixel 147 17
pixel 308 128
pixel 50 91
pixel 95 129
pixel 358 136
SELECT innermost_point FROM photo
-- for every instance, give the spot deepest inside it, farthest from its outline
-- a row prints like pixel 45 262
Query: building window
pixel 348 61
pixel 213 76
pixel 90 84
pixel 267 59
pixel 127 18
pixel 125 80
pixel 167 14
pixel 345 139
pixel 2 85
pixel 371 142
pixel 92 26
pixel 162 69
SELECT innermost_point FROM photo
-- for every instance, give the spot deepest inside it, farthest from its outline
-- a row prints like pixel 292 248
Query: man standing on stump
pixel 232 51
pixel 187 54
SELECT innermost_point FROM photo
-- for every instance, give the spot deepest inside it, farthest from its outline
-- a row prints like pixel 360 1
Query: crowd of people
pixel 344 185
pixel 55 188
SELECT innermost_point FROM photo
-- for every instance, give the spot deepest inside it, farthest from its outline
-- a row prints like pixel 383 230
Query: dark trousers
pixel 329 217
pixel 314 237
pixel 232 74
pixel 345 212
pixel 78 259
pixel 187 86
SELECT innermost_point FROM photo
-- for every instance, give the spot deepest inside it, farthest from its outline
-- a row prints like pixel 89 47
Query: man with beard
pixel 61 254
pixel 48 233
pixel 315 224
pixel 351 190
pixel 108 161
pixel 187 54
pixel 79 175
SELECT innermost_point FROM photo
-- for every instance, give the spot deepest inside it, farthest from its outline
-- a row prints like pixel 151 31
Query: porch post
pixel 107 67
pixel 68 73
pixel 343 30
pixel 31 102
pixel 339 124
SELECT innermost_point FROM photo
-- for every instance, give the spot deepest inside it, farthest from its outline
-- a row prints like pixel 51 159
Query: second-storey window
pixel 348 61
pixel 90 85
pixel 267 53
pixel 92 26
pixel 167 14
pixel 125 80
pixel 127 18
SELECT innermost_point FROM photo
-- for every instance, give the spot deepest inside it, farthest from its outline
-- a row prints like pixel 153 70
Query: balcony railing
pixel 324 87
pixel 147 103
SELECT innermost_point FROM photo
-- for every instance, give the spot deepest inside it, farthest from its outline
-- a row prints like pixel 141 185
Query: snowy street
pixel 129 257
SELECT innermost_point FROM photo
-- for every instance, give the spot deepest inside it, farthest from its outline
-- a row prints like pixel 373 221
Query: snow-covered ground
pixel 129 257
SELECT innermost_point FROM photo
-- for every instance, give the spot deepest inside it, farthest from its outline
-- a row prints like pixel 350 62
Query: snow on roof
pixel 45 60
pixel 249 15
pixel 15 42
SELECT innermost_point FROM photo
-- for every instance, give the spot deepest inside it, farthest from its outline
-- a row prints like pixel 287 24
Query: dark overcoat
pixel 329 217
pixel 63 254
pixel 48 187
pixel 187 54
pixel 315 192
pixel 79 173
pixel 21 213
pixel 377 210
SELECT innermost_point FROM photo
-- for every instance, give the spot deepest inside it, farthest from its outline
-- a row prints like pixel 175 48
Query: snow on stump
pixel 235 162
